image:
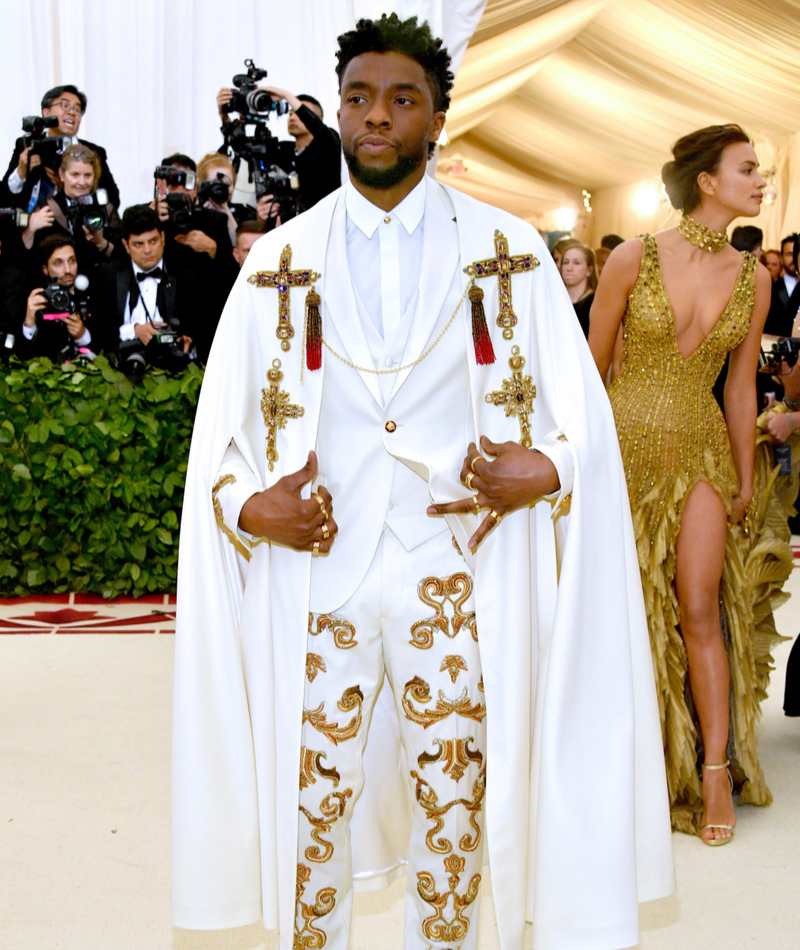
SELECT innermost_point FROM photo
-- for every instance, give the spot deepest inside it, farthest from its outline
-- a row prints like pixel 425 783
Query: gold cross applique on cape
pixel 276 409
pixel 516 396
pixel 503 266
pixel 283 280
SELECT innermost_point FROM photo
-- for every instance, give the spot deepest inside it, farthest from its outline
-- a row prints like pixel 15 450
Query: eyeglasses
pixel 66 106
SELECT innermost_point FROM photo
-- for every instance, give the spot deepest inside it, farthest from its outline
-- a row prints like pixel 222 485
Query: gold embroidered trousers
pixel 410 622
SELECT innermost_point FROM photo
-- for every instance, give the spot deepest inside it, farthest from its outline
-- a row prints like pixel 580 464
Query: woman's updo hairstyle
pixel 697 152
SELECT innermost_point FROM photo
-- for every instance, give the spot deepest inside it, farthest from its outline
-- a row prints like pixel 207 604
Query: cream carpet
pixel 84 804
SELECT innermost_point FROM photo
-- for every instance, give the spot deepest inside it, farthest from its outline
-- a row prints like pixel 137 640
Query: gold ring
pixel 494 514
pixel 326 532
pixel 315 549
pixel 475 503
pixel 320 502
pixel 468 479
pixel 473 461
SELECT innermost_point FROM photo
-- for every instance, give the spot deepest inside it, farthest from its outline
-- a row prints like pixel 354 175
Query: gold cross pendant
pixel 503 266
pixel 516 396
pixel 276 409
pixel 284 279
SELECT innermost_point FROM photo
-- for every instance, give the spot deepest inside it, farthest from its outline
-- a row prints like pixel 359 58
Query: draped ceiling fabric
pixel 557 96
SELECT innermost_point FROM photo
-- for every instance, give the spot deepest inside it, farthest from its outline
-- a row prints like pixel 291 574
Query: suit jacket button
pixel 390 426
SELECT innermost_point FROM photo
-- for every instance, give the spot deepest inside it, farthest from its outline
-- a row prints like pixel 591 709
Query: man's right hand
pixel 22 167
pixel 36 302
pixel 224 96
pixel 146 331
pixel 281 515
pixel 41 218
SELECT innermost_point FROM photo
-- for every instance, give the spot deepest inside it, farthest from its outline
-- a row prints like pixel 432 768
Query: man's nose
pixel 378 113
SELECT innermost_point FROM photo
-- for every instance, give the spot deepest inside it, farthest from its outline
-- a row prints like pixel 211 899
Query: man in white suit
pixel 491 585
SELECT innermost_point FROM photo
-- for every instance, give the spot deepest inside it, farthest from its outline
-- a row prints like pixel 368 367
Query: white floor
pixel 84 817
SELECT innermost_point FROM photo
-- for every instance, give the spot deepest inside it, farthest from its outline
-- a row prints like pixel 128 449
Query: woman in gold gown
pixel 684 298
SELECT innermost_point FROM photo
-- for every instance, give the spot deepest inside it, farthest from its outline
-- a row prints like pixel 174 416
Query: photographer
pixel 216 177
pixel 56 314
pixel 79 209
pixel 143 297
pixel 32 172
pixel 317 155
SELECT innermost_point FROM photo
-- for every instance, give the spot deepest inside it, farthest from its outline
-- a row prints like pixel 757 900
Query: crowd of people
pixel 145 285
pixel 449 492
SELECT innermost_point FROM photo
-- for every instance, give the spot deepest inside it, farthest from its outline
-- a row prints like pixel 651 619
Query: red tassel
pixel 313 331
pixel 484 351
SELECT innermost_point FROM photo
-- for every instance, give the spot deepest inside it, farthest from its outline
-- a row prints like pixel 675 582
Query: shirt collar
pixel 367 216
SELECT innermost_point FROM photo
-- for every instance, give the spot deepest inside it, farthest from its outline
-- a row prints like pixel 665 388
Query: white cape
pixel 576 806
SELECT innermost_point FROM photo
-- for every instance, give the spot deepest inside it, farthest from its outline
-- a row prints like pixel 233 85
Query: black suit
pixel 179 300
pixel 782 309
pixel 12 304
pixel 319 165
pixel 21 200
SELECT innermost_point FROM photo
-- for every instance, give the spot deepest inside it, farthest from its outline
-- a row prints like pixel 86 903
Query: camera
pixel 175 176
pixel 164 351
pixel 48 147
pixel 61 299
pixel 216 190
pixel 89 211
pixel 20 218
pixel 785 350
pixel 247 99
pixel 182 212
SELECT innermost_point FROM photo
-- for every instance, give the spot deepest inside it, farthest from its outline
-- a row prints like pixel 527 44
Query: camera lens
pixel 93 221
pixel 259 101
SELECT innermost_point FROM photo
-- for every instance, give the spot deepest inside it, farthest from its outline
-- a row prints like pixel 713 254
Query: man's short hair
pixel 746 237
pixel 789 239
pixel 50 245
pixel 57 91
pixel 250 227
pixel 138 219
pixel 611 241
pixel 390 34
pixel 304 97
pixel 180 159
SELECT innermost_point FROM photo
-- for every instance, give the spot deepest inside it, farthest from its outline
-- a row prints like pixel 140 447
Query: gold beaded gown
pixel 673 435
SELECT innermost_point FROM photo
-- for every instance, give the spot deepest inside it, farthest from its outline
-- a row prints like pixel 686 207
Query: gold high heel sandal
pixel 718 842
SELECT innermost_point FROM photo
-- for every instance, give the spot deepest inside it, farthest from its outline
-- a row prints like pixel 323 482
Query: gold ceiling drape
pixel 556 96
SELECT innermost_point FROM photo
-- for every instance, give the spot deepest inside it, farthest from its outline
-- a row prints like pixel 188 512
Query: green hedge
pixel 92 471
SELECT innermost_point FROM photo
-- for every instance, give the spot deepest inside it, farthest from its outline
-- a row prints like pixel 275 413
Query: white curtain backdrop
pixel 151 68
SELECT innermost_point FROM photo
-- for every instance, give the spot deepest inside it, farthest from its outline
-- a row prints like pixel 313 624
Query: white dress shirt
pixel 146 309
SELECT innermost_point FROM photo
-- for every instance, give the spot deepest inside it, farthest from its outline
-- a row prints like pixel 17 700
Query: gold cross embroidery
pixel 276 409
pixel 516 396
pixel 503 266
pixel 284 279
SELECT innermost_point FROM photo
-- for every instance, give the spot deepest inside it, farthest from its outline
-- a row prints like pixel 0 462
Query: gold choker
pixel 701 236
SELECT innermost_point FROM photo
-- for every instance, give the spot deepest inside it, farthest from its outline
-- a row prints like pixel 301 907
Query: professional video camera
pixel 89 211
pixel 48 147
pixel 785 350
pixel 164 351
pixel 20 218
pixel 259 148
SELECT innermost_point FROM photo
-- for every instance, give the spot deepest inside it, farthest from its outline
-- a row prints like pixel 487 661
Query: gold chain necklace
pixel 701 236
pixel 399 369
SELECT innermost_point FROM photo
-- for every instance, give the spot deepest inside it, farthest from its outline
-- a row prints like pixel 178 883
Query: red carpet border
pixel 87 613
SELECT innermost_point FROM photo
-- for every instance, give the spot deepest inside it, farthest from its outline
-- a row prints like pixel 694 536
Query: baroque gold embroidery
pixel 503 266
pixel 417 689
pixel 344 633
pixel 314 664
pixel 453 665
pixel 436 927
pixel 276 409
pixel 235 540
pixel 352 698
pixel 516 396
pixel 455 754
pixel 436 592
pixel 428 800
pixel 332 808
pixel 306 935
pixel 283 280
pixel 311 765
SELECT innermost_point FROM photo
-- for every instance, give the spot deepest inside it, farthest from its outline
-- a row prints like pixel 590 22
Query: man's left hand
pixel 198 241
pixel 505 477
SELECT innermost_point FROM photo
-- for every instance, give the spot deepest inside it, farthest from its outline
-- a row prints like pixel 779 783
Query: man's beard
pixel 381 178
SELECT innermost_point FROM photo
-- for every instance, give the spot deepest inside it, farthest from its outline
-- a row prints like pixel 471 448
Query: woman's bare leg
pixel 700 554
